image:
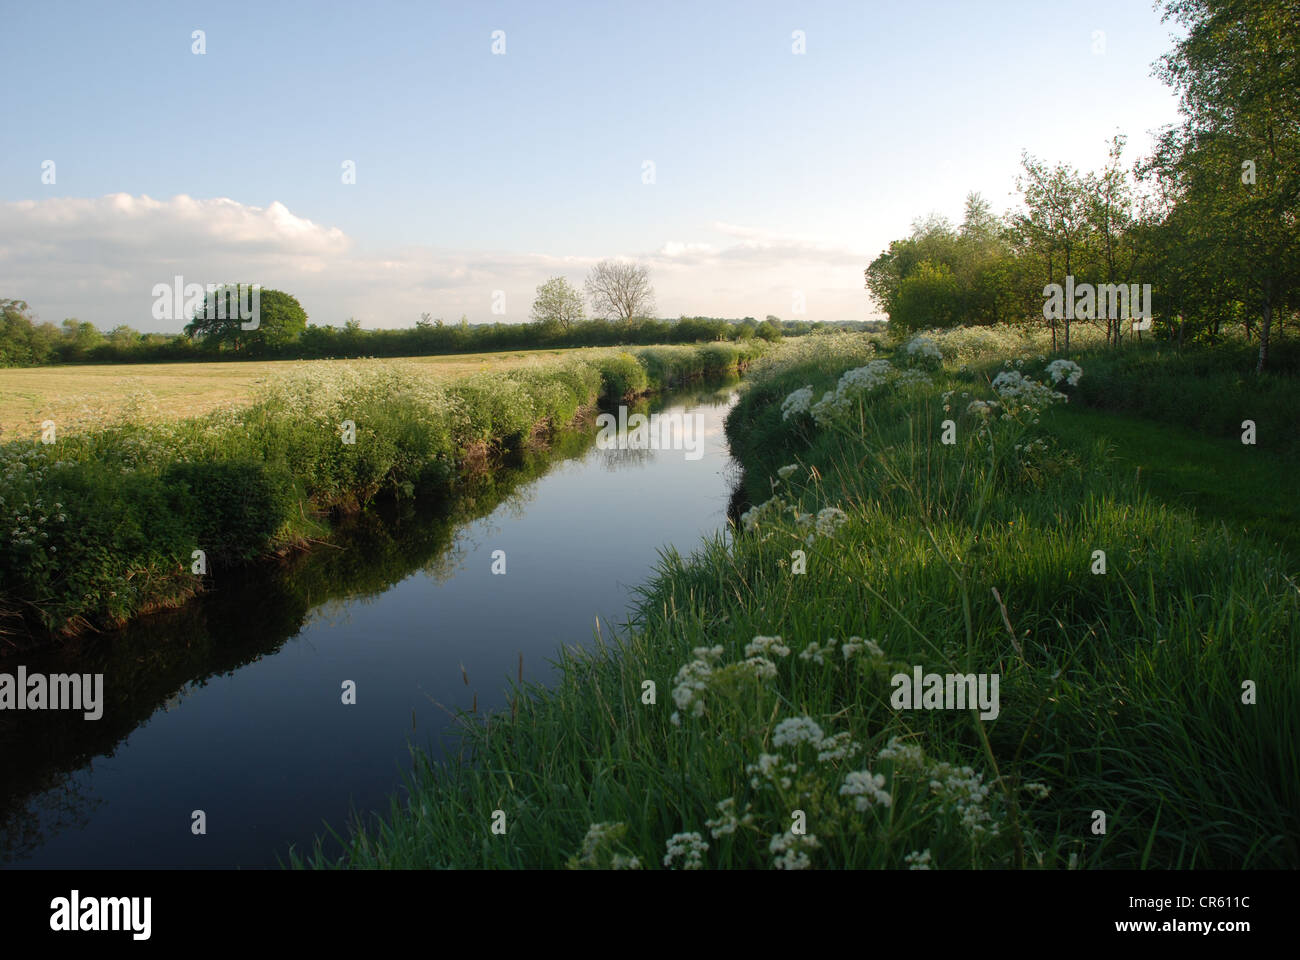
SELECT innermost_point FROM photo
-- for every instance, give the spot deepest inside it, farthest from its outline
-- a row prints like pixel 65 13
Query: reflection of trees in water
pixel 613 460
pixel 27 822
pixel 246 615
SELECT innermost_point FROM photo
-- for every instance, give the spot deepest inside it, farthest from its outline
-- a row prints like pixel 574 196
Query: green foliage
pixel 23 342
pixel 280 320
pixel 623 376
pixel 927 298
pixel 1209 220
pixel 237 507
pixel 558 304
pixel 1098 707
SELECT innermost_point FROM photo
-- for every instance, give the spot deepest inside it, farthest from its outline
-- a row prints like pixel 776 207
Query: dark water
pixel 233 705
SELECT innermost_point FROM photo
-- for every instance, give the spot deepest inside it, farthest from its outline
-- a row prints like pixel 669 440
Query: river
pixel 234 704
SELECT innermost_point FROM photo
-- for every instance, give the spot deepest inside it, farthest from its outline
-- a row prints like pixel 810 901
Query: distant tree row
pixel 25 341
pixel 620 295
pixel 1211 220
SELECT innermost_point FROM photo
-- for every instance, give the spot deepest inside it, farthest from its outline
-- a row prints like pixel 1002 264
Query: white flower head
pixel 867 789
pixel 689 848
pixel 796 730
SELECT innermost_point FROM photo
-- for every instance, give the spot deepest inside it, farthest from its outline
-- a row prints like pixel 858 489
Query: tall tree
pixel 1057 217
pixel 558 303
pixel 619 290
pixel 280 321
pixel 1109 208
pixel 1235 160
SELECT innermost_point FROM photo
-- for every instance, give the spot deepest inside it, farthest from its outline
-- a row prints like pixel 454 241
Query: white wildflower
pixel 797 403
pixel 796 730
pixel 867 788
pixel 836 747
pixel 766 646
pixel 687 847
pixel 829 520
pixel 790 850
pixel 1066 370
pixel 727 822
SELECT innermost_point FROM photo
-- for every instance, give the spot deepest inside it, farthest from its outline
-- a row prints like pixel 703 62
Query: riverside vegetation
pixel 744 718
pixel 102 525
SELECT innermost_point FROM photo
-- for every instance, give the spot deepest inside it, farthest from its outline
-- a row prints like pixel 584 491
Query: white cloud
pixel 99 258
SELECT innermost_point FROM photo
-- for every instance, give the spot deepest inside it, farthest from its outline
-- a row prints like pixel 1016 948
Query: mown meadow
pixel 102 524
pixel 86 396
pixel 744 719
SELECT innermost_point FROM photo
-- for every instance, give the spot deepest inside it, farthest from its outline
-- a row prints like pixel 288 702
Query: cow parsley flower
pixel 797 403
pixel 918 861
pixel 816 652
pixel 692 681
pixel 867 789
pixel 687 847
pixel 760 667
pixel 1038 791
pixel 1017 390
pixel 923 349
pixel 766 646
pixel 727 823
pixel 904 755
pixel 770 771
pixel 1066 370
pixel 836 747
pixel 790 850
pixel 796 730
pixel 829 520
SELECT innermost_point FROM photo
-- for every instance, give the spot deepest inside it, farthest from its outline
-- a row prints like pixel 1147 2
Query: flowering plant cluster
pixel 924 352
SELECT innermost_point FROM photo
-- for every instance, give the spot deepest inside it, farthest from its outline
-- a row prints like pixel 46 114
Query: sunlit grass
pixel 1121 692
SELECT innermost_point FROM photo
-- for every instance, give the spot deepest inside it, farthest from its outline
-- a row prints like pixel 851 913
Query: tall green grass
pixel 1120 692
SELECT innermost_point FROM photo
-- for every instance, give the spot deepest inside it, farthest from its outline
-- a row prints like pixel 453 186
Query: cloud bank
pixel 98 259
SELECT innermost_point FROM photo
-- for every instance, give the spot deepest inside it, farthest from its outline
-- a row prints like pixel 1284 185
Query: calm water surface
pixel 232 705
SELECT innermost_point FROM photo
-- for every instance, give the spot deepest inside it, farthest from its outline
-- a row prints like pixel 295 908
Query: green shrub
pixel 622 376
pixel 235 508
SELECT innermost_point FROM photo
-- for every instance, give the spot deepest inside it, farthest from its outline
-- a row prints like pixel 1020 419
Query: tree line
pixel 1211 220
pixel 620 295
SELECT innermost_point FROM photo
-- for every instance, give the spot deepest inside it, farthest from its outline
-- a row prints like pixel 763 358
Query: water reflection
pixel 232 704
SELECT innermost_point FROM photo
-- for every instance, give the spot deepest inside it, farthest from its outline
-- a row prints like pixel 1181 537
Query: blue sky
pixel 773 172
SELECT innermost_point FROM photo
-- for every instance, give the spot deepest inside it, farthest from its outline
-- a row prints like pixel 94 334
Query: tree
pixel 558 303
pixel 979 222
pixel 929 297
pixel 80 337
pixel 280 321
pixel 1057 218
pixel 1109 208
pixel 1235 161
pixel 619 290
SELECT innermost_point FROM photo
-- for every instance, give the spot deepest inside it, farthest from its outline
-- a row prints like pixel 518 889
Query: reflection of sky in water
pixel 269 752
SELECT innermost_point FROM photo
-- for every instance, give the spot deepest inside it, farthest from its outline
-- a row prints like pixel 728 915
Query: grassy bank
pixel 102 525
pixel 1122 738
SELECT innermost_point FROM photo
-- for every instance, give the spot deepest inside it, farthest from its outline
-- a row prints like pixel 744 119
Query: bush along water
pixel 102 524
pixel 1132 670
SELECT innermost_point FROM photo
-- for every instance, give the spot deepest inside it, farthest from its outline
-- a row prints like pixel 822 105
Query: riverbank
pixel 1144 658
pixel 105 526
